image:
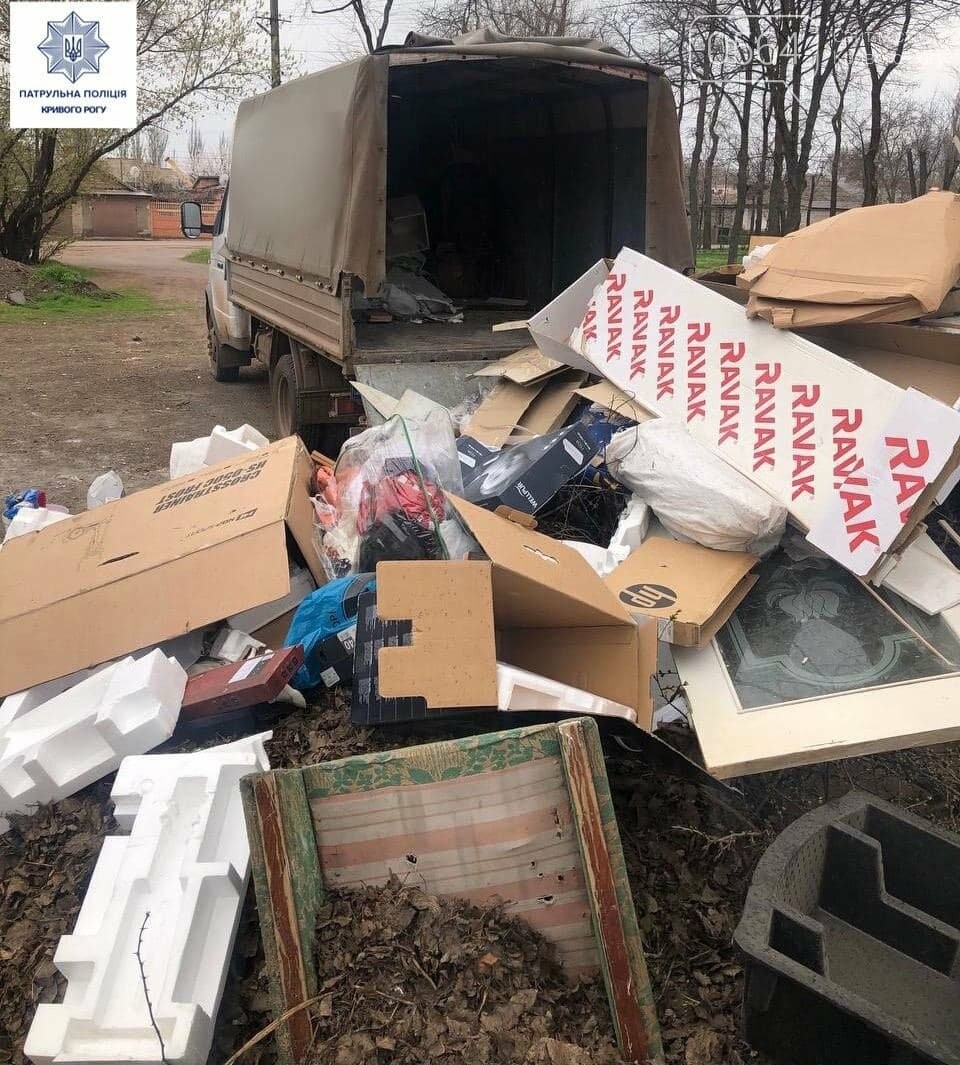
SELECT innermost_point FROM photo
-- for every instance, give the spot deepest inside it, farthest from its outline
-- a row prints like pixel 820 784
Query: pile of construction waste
pixel 663 507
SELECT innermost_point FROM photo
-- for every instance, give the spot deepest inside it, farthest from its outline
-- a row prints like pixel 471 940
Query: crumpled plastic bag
pixel 693 492
pixel 391 481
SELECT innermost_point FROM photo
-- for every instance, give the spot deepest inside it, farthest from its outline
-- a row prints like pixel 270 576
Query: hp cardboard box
pixel 154 565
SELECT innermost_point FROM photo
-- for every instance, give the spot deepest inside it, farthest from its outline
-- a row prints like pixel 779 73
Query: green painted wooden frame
pixel 288 877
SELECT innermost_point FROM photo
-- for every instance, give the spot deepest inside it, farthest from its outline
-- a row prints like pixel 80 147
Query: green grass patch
pixel 198 255
pixel 52 275
pixel 56 290
pixel 711 258
pixel 67 304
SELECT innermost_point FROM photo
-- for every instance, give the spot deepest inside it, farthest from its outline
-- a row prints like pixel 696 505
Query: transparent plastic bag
pixel 390 489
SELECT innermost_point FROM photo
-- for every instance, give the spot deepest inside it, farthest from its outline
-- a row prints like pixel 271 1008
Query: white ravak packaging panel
pixel 848 453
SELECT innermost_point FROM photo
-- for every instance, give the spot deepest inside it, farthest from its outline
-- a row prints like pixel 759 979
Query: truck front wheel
pixel 216 355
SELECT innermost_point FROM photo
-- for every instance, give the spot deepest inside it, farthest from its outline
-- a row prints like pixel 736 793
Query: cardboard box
pixel 856 460
pixel 847 268
pixel 524 367
pixel 239 685
pixel 527 476
pixel 535 604
pixel 690 590
pixel 154 565
pixel 607 395
pixel 473 455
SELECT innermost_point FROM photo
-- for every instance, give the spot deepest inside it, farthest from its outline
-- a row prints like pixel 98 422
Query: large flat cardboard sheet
pixel 905 256
pixel 154 565
pixel 849 454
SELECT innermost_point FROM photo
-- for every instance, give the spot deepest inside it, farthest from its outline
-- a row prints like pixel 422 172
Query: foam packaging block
pixel 20 703
pixel 231 645
pixel 171 892
pixel 29 519
pixel 519 689
pixel 82 734
pixel 223 444
pixel 189 456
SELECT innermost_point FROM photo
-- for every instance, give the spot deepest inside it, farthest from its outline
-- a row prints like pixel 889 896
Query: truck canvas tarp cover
pixel 332 125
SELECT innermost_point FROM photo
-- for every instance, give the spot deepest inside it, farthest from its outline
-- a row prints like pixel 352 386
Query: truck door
pixel 218 271
pixel 232 322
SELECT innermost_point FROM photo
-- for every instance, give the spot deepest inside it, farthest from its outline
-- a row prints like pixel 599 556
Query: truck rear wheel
pixel 215 354
pixel 289 411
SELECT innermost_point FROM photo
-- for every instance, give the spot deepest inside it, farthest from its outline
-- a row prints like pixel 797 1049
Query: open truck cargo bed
pixel 521 162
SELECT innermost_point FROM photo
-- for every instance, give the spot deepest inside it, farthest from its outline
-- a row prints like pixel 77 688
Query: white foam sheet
pixel 171 892
pixel 82 734
pixel 519 689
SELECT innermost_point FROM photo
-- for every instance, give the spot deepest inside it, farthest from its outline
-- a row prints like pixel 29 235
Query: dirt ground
pixel 86 394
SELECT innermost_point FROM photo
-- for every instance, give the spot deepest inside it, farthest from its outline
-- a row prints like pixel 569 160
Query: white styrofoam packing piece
pixel 19 703
pixel 30 519
pixel 171 892
pixel 189 456
pixel 226 444
pixel 519 689
pixel 231 645
pixel 82 734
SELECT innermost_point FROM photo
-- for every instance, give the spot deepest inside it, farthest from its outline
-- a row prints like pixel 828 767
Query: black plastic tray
pixel 851 933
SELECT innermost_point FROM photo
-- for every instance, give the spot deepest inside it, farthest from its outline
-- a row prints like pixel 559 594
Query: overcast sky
pixel 318 41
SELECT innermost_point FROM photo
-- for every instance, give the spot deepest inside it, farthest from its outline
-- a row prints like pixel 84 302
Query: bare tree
pixel 372 29
pixel 841 75
pixel 806 43
pixel 887 28
pixel 156 144
pixel 196 151
pixel 706 211
pixel 518 18
pixel 951 149
pixel 743 109
pixel 224 155
pixel 132 147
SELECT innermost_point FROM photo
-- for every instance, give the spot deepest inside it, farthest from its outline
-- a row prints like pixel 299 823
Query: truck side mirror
pixel 191 220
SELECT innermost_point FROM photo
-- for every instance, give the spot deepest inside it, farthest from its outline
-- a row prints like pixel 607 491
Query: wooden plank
pixel 286 875
pixel 283 807
pixel 615 922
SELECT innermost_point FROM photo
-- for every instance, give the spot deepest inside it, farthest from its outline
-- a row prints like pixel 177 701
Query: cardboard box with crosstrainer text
pixel 534 603
pixel 154 565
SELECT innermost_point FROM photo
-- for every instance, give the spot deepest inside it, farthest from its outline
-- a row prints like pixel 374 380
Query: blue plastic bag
pixel 318 626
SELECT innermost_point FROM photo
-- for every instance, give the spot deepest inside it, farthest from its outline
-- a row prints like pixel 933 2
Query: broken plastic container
pixel 104 489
